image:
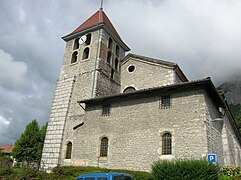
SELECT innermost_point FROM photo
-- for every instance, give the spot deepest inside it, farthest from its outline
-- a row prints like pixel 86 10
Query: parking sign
pixel 212 158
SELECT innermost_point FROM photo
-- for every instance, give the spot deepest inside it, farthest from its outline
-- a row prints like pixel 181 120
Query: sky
pixel 202 36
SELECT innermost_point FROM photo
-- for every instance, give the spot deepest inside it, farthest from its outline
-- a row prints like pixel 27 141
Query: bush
pixel 231 172
pixel 185 169
pixel 5 165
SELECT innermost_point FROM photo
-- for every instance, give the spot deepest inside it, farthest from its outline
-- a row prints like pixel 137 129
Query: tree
pixel 42 134
pixel 28 148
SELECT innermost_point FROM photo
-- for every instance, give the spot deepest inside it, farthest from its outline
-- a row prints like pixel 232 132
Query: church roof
pixel 205 83
pixel 98 18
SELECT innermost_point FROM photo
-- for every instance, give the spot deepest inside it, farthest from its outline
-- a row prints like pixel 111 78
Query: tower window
pixel 165 102
pixel 109 57
pixel 110 43
pixel 117 51
pixel 74 57
pixel 104 147
pixel 106 110
pixel 112 73
pixel 68 151
pixel 166 143
pixel 86 53
pixel 116 64
pixel 88 40
pixel 76 44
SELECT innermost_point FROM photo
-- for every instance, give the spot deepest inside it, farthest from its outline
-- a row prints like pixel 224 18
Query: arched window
pixel 117 51
pixel 86 53
pixel 116 64
pixel 110 43
pixel 76 44
pixel 129 89
pixel 109 57
pixel 88 40
pixel 166 143
pixel 74 57
pixel 104 147
pixel 68 151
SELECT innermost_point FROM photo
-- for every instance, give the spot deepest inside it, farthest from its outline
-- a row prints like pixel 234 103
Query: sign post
pixel 212 158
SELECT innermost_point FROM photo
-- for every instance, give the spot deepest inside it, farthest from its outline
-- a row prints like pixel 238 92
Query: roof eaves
pixel 206 81
pixel 153 60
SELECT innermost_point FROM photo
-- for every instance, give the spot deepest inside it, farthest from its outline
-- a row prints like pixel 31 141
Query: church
pixel 125 111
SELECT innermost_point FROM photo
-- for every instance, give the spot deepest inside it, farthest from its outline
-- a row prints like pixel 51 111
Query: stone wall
pixel 214 129
pixel 231 145
pixel 134 130
pixel 145 75
pixel 54 136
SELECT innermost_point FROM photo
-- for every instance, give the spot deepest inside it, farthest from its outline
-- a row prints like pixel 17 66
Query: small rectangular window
pixel 106 110
pixel 165 102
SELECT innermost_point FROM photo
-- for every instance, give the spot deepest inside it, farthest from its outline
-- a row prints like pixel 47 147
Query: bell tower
pixel 91 68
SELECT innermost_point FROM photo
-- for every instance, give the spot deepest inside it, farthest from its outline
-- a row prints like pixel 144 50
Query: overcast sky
pixel 202 36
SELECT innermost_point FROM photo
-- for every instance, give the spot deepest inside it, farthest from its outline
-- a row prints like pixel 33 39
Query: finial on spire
pixel 101 5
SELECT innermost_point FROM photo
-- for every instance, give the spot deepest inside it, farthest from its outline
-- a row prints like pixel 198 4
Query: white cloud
pixel 3 122
pixel 12 73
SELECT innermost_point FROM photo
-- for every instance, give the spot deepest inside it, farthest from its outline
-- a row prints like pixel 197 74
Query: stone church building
pixel 123 111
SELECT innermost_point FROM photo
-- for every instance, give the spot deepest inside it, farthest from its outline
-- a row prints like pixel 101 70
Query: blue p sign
pixel 212 158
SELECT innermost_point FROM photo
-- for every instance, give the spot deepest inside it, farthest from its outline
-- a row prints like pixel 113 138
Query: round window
pixel 131 68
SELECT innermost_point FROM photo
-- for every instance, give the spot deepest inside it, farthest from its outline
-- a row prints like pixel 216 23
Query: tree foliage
pixel 28 148
pixel 236 111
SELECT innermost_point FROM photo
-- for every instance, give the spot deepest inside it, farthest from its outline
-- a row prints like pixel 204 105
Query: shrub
pixel 231 172
pixel 5 165
pixel 185 169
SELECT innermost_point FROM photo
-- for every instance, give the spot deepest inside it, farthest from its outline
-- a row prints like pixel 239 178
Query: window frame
pixel 104 144
pixel 68 154
pixel 106 110
pixel 165 102
pixel 86 53
pixel 74 58
pixel 166 143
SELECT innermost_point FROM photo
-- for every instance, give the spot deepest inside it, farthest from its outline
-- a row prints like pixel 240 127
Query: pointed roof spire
pixel 97 20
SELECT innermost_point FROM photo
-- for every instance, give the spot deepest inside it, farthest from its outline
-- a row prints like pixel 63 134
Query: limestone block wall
pixel 145 75
pixel 214 130
pixel 51 154
pixel 231 145
pixel 134 130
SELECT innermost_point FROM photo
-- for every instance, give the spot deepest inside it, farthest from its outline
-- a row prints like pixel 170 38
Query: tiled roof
pixel 98 18
pixel 206 82
pixel 6 148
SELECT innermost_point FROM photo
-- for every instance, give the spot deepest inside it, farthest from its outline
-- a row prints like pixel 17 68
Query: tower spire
pixel 101 5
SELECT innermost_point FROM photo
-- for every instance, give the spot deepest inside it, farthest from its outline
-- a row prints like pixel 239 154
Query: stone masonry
pixel 54 136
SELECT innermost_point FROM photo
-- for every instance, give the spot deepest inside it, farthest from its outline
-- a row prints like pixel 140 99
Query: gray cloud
pixel 12 73
pixel 203 37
